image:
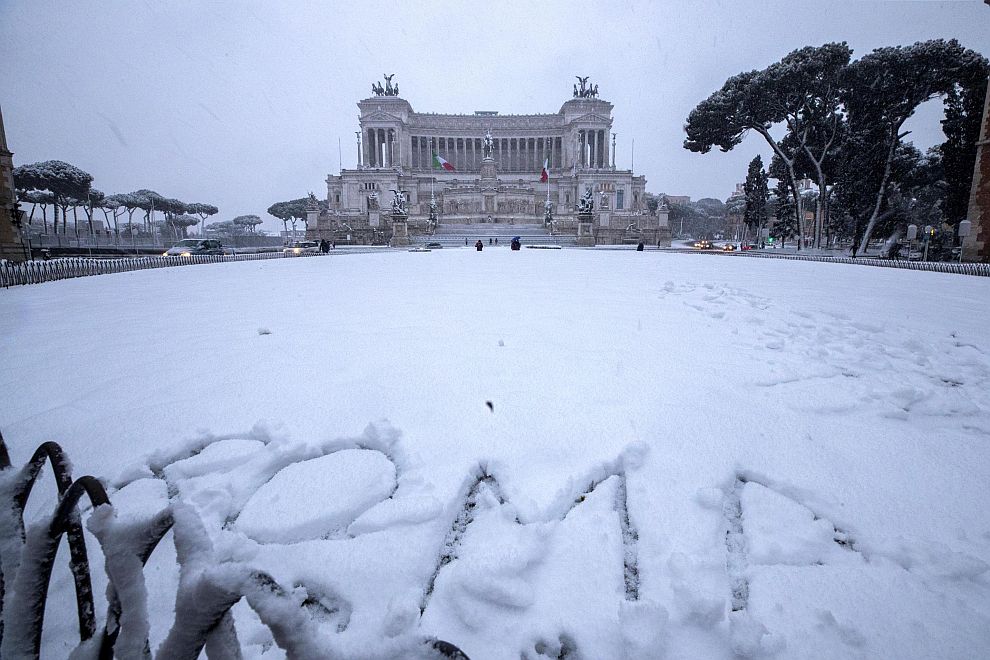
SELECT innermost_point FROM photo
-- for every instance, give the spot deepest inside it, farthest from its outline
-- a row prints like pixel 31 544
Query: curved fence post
pixel 21 489
pixel 30 585
pixel 142 547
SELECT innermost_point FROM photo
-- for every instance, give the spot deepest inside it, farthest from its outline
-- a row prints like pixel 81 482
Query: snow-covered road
pixel 684 457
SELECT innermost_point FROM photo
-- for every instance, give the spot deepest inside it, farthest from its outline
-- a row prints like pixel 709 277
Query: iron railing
pixel 36 272
pixel 979 269
pixel 203 602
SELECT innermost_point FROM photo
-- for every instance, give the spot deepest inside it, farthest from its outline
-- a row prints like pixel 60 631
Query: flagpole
pixel 547 164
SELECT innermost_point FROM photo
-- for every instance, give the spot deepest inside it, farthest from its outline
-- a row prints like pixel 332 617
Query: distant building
pixel 678 199
pixel 11 244
pixel 490 172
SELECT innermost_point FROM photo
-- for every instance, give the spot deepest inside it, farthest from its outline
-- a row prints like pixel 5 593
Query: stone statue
pixel 584 91
pixel 575 90
pixel 312 197
pixel 399 202
pixel 434 219
pixel 373 201
pixel 603 200
pixel 489 146
pixel 595 92
pixel 586 204
pixel 388 84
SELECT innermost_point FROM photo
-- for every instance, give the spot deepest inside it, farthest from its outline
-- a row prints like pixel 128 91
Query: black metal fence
pixel 203 603
pixel 979 269
pixel 36 272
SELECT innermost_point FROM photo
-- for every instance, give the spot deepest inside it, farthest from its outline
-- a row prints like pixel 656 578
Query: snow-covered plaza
pixel 544 453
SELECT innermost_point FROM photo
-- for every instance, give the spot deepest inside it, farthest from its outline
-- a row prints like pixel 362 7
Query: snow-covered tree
pixel 249 222
pixel 37 198
pixel 181 224
pixel 882 90
pixel 202 210
pixel 799 93
pixel 64 181
pixel 757 194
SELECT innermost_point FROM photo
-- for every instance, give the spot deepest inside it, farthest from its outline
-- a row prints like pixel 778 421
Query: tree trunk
pixel 871 224
pixel 798 208
pixel 798 202
pixel 44 219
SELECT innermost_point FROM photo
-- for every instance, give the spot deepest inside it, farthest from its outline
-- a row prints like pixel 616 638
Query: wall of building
pixel 11 244
pixel 976 246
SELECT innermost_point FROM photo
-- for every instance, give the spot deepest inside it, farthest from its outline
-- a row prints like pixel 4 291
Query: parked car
pixel 189 247
pixel 302 247
pixel 434 246
pixel 728 247
pixel 703 245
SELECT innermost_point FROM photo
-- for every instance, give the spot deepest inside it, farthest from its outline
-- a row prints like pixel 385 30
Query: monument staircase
pixel 452 235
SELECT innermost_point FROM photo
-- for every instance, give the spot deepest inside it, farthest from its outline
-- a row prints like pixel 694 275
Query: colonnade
pixel 514 154
pixel 594 148
pixel 381 149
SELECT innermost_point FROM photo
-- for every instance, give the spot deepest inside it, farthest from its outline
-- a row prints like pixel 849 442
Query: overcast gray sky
pixel 241 104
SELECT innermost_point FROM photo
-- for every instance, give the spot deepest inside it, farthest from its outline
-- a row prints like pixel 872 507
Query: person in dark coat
pixel 324 246
pixel 640 247
pixel 479 246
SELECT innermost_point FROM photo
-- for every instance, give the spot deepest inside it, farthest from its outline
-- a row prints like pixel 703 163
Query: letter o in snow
pixel 317 498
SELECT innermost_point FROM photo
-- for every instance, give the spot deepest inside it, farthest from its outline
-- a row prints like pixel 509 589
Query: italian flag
pixel 545 174
pixel 438 161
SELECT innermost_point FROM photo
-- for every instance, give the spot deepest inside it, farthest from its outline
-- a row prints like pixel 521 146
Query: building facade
pixel 497 163
pixel 976 246
pixel 11 243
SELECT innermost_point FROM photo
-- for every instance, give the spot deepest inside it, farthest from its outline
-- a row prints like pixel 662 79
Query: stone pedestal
pixel 585 230
pixel 663 236
pixel 374 218
pixel 400 230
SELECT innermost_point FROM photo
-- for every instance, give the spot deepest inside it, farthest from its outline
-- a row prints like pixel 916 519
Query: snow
pixel 685 456
pixel 317 498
